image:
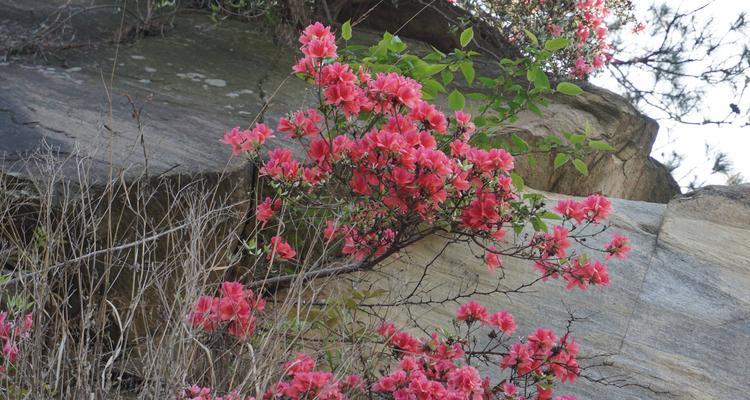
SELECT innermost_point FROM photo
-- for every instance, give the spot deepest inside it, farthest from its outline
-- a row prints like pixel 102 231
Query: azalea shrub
pixel 381 168
pixel 436 367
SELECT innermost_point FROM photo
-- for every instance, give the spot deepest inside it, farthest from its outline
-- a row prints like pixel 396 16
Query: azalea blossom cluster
pixel 247 140
pixel 582 22
pixel 195 392
pixel 301 381
pixel 407 164
pixel 432 369
pixel 12 332
pixel 234 309
pixel 580 271
pixel 437 369
pixel 591 35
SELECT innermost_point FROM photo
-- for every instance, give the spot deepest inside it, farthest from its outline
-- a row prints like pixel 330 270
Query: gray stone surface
pixel 190 87
pixel 629 172
pixel 200 78
pixel 675 324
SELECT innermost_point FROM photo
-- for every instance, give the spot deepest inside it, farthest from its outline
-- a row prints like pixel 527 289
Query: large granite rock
pixel 673 325
pixel 628 172
pixel 153 111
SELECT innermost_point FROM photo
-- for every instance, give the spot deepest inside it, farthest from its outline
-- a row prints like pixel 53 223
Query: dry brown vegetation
pixel 110 272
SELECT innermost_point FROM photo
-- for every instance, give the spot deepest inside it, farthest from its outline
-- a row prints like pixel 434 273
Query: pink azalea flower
pixel 597 208
pixel 556 243
pixel 281 249
pixel 492 259
pixel 266 210
pixel 471 311
pixel 465 126
pixel 571 209
pixel 618 247
pixel 503 321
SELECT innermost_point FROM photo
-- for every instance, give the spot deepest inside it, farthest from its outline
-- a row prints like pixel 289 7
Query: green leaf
pixel 396 45
pixel 481 140
pixel 553 139
pixel 346 30
pixel 438 52
pixel 447 76
pixel 532 38
pixel 489 82
pixel 539 78
pixel 380 50
pixel 467 68
pixel 520 143
pixel 382 68
pixel 600 145
pixel 551 215
pixel 571 89
pixel 533 108
pixel 358 47
pixel 424 69
pixel 531 74
pixel 531 160
pixel 466 36
pixel 581 166
pixel 433 57
pixel 556 44
pixel 517 181
pixel 478 96
pixel 561 159
pixel 409 60
pixel 456 100
pixel 575 139
pixel 538 225
pixel 433 86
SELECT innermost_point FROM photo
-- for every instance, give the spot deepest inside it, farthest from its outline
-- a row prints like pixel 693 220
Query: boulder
pixel 628 172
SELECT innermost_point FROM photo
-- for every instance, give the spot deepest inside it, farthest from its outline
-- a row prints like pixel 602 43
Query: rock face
pixel 186 94
pixel 201 78
pixel 675 322
pixel 628 172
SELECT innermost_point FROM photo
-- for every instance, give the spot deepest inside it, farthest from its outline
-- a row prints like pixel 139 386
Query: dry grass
pixel 111 270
